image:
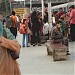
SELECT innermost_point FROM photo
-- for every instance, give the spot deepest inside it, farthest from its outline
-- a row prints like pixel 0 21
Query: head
pixel 29 16
pixel 13 12
pixel 60 9
pixel 39 15
pixel 24 21
pixel 59 24
pixel 71 7
pixel 34 13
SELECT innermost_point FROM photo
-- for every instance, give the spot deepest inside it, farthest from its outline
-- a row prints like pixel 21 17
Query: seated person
pixel 57 36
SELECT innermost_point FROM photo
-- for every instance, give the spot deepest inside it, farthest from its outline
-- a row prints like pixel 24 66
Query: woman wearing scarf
pixel 8 66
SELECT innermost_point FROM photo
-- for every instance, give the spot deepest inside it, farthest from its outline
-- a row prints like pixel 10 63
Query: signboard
pixel 20 10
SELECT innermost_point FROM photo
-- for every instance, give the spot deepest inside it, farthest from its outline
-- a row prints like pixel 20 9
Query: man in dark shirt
pixel 57 36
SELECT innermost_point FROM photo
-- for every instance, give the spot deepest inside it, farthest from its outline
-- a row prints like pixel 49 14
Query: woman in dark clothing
pixel 35 28
pixel 12 23
pixel 46 17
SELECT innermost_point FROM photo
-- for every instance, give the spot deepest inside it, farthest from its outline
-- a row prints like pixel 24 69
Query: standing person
pixel 46 16
pixel 63 25
pixel 25 34
pixel 60 13
pixel 8 66
pixel 67 24
pixel 72 22
pixel 30 27
pixel 46 30
pixel 35 28
pixel 12 24
pixel 18 21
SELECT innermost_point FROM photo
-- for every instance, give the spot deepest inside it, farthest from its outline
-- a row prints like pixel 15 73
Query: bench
pixel 57 51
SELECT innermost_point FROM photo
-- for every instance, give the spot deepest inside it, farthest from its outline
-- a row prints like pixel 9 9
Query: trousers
pixel 25 40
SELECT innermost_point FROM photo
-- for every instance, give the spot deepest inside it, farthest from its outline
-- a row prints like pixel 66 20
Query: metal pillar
pixel 42 2
pixel 30 6
pixel 6 7
pixel 24 4
pixel 49 15
pixel 10 7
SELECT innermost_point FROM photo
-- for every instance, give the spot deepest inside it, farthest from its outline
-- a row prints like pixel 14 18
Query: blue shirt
pixel 1 29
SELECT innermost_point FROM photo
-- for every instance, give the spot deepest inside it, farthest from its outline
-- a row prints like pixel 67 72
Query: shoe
pixel 67 51
pixel 28 46
pixel 39 44
pixel 33 44
pixel 68 54
pixel 23 46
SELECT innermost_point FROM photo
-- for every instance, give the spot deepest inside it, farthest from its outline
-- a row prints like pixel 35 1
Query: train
pixel 65 6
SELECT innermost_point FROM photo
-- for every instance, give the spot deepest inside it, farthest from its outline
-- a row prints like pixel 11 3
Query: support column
pixel 49 15
pixel 30 6
pixel 42 2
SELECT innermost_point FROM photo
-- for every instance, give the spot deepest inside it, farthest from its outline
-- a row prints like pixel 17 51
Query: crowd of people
pixel 32 28
pixel 37 26
pixel 67 20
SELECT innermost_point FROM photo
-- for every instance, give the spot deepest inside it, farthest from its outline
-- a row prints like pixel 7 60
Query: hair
pixel 13 12
pixel 60 8
pixel 59 21
pixel 24 21
pixel 38 13
pixel 72 6
pixel 34 13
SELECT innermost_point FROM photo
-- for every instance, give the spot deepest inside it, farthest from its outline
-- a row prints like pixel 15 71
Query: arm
pixel 71 14
pixel 56 34
pixel 10 44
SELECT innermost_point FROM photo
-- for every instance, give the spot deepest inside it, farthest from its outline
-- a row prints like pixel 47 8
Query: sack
pixel 11 22
pixel 22 29
pixel 13 54
pixel 29 31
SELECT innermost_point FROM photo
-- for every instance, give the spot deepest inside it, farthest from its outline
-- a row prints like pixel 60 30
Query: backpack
pixel 22 29
pixel 11 21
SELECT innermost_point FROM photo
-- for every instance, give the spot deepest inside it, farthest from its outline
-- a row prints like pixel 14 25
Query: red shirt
pixel 59 14
pixel 72 15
